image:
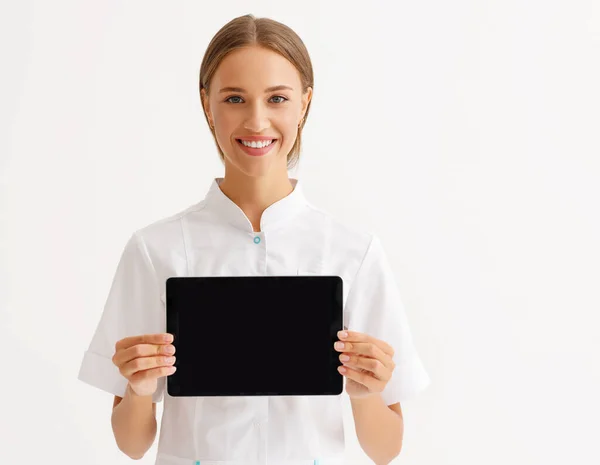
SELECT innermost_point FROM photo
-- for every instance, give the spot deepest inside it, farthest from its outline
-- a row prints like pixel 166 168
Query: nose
pixel 258 118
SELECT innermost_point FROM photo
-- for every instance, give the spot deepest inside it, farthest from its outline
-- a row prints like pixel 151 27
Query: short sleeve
pixel 375 308
pixel 133 307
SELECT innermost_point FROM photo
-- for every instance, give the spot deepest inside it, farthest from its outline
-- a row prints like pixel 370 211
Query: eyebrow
pixel 268 89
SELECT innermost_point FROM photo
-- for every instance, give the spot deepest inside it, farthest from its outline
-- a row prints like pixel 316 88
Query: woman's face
pixel 241 104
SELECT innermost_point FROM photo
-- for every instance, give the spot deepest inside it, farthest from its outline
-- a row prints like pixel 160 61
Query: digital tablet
pixel 255 335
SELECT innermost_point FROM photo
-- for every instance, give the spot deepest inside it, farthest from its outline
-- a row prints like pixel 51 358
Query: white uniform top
pixel 215 238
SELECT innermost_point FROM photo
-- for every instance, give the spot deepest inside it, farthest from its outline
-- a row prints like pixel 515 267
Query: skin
pixel 254 183
pixel 367 363
pixel 142 360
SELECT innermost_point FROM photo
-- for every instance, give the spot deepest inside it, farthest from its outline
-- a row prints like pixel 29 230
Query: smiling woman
pixel 256 86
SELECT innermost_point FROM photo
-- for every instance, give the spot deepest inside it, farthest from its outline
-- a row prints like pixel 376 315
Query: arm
pixel 134 423
pixel 379 428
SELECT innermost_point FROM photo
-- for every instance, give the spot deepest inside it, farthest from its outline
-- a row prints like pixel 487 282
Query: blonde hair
pixel 246 31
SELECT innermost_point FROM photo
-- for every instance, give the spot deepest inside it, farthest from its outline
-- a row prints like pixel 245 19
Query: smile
pixel 256 148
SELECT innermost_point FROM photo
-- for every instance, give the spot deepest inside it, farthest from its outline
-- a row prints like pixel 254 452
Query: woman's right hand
pixel 143 359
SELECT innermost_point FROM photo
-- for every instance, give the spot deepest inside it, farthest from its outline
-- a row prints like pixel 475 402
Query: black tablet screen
pixel 254 335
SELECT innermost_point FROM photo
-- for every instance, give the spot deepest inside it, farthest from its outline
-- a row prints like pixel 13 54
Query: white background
pixel 464 133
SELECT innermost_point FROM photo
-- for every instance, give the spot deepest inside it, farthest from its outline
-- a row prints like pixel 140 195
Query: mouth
pixel 260 147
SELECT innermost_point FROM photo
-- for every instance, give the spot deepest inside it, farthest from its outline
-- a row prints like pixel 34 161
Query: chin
pixel 263 166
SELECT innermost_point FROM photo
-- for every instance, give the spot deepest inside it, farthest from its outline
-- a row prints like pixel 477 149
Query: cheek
pixel 229 118
pixel 288 126
pixel 226 125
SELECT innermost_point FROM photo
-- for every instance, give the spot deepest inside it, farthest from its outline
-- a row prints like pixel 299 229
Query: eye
pixel 229 98
pixel 280 96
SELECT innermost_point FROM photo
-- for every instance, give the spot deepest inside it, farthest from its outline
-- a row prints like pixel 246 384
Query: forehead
pixel 255 69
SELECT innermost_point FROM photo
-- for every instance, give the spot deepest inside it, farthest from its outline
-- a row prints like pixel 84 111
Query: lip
pixel 250 138
pixel 256 152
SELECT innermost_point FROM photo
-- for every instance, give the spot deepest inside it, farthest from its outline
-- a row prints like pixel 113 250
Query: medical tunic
pixel 215 238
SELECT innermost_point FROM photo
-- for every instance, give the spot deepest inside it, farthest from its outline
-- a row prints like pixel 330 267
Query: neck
pixel 254 194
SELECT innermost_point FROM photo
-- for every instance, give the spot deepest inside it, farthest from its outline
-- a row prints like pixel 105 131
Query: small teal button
pixel 256 240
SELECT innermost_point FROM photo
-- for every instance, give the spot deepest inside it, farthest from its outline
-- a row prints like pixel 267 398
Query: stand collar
pixel 274 216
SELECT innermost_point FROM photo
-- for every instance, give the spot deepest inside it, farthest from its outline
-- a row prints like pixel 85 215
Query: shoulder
pixel 348 241
pixel 167 230
pixel 163 240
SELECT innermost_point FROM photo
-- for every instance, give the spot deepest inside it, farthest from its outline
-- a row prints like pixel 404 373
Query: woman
pixel 256 84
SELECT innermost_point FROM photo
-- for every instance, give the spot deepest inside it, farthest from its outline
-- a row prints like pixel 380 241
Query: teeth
pixel 257 144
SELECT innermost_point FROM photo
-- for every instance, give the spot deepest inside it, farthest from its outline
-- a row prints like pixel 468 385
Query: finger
pixel 374 366
pixel 146 363
pixel 158 372
pixel 142 350
pixel 366 349
pixel 355 336
pixel 160 338
pixel 364 378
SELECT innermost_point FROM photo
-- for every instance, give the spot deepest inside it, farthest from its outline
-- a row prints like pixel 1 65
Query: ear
pixel 206 106
pixel 306 97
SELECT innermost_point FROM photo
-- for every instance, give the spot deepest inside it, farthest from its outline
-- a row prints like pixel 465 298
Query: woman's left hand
pixel 370 365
